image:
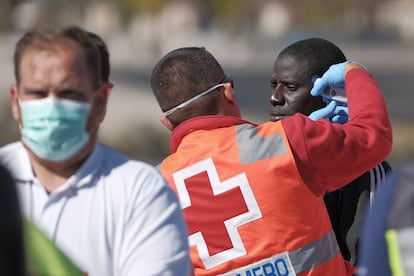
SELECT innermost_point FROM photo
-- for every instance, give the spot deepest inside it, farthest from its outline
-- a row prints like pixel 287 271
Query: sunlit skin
pixel 59 72
pixel 228 106
pixel 291 83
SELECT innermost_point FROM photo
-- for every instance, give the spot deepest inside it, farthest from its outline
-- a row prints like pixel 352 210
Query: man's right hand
pixel 334 112
pixel 334 77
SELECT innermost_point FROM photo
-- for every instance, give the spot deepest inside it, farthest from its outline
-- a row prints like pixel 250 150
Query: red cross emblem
pixel 214 210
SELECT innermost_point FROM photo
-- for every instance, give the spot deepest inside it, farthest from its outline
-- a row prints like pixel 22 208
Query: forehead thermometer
pixel 333 93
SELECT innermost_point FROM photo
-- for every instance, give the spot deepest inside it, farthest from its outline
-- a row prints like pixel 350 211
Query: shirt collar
pixel 88 169
pixel 22 171
pixel 202 123
pixel 19 165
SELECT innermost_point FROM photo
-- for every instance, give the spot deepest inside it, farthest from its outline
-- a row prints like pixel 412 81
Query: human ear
pixel 166 122
pixel 228 93
pixel 108 88
pixel 14 101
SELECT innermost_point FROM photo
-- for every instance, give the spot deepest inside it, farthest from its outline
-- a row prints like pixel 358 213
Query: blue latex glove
pixel 335 112
pixel 340 115
pixel 323 113
pixel 335 77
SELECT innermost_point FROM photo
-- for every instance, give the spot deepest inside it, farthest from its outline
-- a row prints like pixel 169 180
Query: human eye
pixel 35 94
pixel 273 84
pixel 292 87
pixel 71 94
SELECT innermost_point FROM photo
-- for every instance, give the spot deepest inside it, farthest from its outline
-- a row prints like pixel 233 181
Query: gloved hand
pixel 335 77
pixel 335 112
pixel 340 115
pixel 324 112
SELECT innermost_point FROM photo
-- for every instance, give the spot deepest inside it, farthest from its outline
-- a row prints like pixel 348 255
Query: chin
pixel 275 118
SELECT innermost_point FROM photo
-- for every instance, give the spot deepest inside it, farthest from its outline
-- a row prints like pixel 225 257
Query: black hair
pixel 180 75
pixel 318 53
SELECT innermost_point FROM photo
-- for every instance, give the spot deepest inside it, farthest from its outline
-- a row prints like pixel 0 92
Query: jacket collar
pixel 202 123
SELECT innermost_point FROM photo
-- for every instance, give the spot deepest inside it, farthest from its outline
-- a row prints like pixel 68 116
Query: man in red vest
pixel 252 195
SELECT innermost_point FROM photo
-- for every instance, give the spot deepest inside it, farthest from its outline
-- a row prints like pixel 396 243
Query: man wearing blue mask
pixel 109 214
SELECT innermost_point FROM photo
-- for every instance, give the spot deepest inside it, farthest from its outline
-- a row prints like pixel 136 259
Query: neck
pixel 52 175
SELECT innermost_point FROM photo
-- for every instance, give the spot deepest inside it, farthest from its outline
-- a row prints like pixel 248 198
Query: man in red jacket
pixel 252 195
pixel 292 79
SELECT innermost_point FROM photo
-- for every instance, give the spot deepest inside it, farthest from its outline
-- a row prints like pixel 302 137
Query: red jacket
pixel 252 194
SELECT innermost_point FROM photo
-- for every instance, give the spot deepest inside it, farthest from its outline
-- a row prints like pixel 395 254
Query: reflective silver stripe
pixel 252 147
pixel 315 253
pixel 295 262
pixel 405 238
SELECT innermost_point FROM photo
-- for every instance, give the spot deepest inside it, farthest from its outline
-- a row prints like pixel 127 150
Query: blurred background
pixel 244 35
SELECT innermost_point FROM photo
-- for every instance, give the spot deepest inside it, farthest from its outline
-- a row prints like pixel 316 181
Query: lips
pixel 276 117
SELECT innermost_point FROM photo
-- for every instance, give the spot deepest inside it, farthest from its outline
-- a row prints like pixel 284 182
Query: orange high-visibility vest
pixel 247 209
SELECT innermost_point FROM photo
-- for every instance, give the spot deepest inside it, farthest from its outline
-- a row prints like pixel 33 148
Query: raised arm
pixel 330 155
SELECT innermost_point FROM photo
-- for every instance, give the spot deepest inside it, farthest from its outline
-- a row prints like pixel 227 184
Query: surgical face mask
pixel 54 128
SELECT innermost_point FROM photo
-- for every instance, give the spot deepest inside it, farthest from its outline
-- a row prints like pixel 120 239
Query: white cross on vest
pixel 214 210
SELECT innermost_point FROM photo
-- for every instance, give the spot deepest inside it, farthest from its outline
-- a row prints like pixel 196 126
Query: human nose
pixel 277 97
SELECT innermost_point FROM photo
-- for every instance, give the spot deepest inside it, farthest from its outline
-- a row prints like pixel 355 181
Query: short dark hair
pixel 103 56
pixel 318 53
pixel 180 75
pixel 46 38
